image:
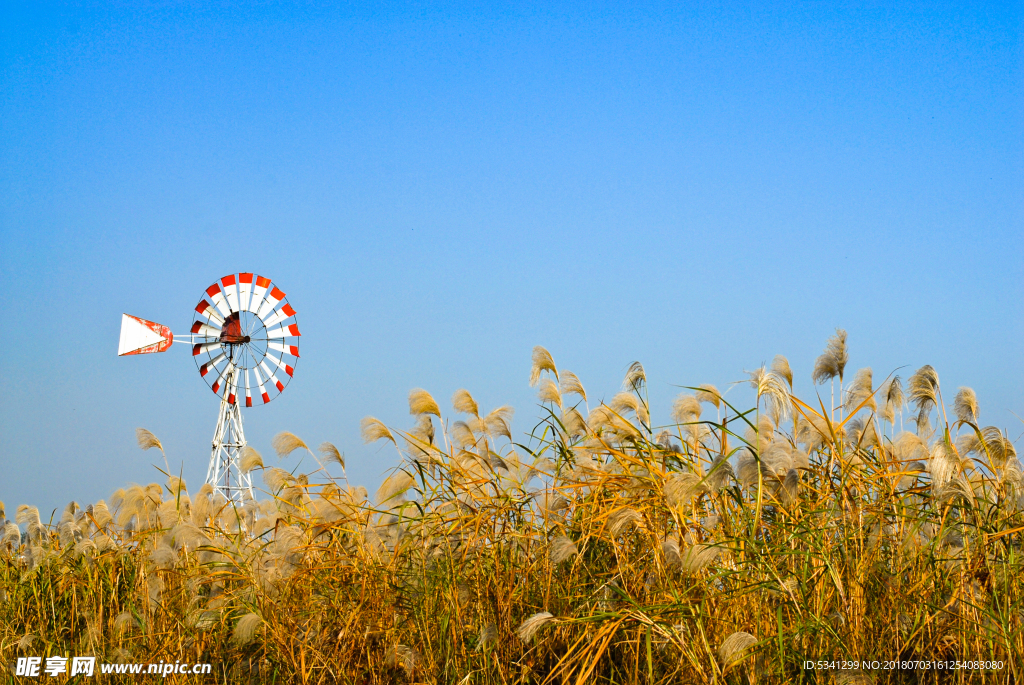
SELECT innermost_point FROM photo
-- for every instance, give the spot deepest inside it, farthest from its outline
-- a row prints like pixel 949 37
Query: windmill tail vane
pixel 245 341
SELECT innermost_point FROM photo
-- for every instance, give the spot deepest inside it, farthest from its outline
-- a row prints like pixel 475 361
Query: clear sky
pixel 440 187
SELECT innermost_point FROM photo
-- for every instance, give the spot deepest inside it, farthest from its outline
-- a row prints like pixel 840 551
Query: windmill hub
pixel 244 332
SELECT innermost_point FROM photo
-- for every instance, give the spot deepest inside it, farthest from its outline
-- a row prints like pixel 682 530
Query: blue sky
pixel 440 187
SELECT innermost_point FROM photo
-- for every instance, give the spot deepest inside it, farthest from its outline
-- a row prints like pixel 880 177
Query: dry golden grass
pixel 599 549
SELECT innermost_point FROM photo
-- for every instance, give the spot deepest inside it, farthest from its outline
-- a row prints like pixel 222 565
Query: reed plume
pixel 924 388
pixel 770 387
pixel 246 629
pixel 965 406
pixel 250 459
pixel 562 548
pixel 832 362
pixel 462 435
pixel 680 488
pixel 635 378
pixel 623 519
pixel 531 626
pixel 837 350
pixel 735 648
pixel 709 394
pixel 860 390
pixel 780 367
pixel 499 422
pixel 393 486
pixel 423 431
pixel 421 402
pixel 892 392
pixel 463 402
pixel 276 478
pixel 373 429
pixel 27 515
pixel 488 635
pixel 285 443
pixel 542 361
pixel 570 384
pixel 548 392
pixel 990 442
pixel 698 557
pixel 574 423
pixel 332 454
pixel 148 441
pixel 686 408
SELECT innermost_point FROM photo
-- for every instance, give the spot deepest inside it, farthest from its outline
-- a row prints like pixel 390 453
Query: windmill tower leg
pixel 224 473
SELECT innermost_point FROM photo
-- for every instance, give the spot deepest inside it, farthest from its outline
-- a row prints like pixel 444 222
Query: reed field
pixel 880 523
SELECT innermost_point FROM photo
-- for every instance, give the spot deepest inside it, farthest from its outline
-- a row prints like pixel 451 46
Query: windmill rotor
pixel 245 324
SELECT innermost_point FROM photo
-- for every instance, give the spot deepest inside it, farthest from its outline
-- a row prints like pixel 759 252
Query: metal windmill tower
pixel 244 333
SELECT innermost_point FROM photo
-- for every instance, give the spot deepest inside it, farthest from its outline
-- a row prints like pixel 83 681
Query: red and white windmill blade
pixel 244 336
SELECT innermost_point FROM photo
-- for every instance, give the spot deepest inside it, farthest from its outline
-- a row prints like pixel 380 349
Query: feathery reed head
pixel 462 435
pixel 529 628
pixel 488 635
pixel 562 548
pixel 499 421
pixel 275 478
pixel 709 394
pixel 824 369
pixel 837 349
pixel 736 648
pixel 924 388
pixel 861 391
pixel 548 392
pixel 894 393
pixel 780 367
pixel 832 361
pixel 542 361
pixel 965 406
pixel 285 443
pixel 892 399
pixel 373 429
pixel 124 622
pixel 147 440
pixel 569 383
pixel 422 431
pixel 627 401
pixel 250 460
pixel 422 402
pixel 393 486
pixel 26 514
pixel 463 402
pixel 772 388
pixel 635 378
pixel 331 454
pixel 698 557
pixel 623 519
pixel 991 444
pixel 686 408
pixel 403 657
pixel 680 488
pixel 246 629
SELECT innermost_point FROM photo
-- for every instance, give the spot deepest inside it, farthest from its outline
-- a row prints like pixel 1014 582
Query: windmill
pixel 245 340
